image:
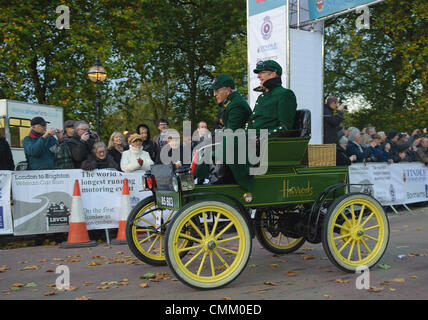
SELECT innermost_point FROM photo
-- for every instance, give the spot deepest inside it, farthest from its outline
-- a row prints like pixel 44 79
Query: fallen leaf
pixel 413 277
pixel 50 270
pixel 375 289
pixel 144 285
pixel 73 260
pixel 17 285
pixel 384 266
pixel 252 265
pixel 82 298
pixel 398 280
pixel 32 267
pixel 327 296
pixel 290 274
pixel 41 260
pixel 148 275
pixel 341 281
pixel 87 283
pixel 30 284
pixel 308 249
pixel 269 283
pixel 274 265
pixel 103 287
pixel 392 289
pixel 4 268
pixel 93 264
pixel 308 257
pixel 50 293
pixel 51 285
pixel 226 298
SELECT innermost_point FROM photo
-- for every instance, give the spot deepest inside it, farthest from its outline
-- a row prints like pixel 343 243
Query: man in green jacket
pixel 275 110
pixel 236 109
pixel 235 115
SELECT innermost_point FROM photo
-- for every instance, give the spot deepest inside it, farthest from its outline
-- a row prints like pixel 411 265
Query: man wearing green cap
pixel 275 108
pixel 235 115
pixel 236 109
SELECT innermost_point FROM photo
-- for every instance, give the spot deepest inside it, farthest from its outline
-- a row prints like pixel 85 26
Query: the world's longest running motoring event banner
pixel 42 199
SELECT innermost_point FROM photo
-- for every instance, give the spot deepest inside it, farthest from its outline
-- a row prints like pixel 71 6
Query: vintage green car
pixel 205 232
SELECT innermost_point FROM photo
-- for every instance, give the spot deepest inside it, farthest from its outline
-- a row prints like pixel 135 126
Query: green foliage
pixel 386 64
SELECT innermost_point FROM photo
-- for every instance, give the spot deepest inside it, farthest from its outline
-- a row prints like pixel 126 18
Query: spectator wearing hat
pixel 37 145
pixel 148 145
pixel 135 158
pixel 68 130
pixel 99 159
pixel 333 117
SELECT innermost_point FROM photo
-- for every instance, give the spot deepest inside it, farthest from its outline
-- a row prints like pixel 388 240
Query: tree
pixel 386 64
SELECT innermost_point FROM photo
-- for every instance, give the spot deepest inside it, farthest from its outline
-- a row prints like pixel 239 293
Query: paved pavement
pixel 108 272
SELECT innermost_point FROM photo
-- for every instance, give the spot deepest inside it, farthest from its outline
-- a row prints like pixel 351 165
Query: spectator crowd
pixel 76 147
pixel 368 145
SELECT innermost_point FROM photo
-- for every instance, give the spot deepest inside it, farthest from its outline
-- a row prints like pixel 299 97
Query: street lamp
pixel 97 74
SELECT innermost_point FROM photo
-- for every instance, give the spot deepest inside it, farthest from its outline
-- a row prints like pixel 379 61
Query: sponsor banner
pixel 391 184
pixel 267 39
pixel 322 8
pixel 42 199
pixel 6 225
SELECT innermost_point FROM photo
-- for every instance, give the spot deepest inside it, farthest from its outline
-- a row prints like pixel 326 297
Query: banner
pixel 393 184
pixel 6 226
pixel 267 39
pixel 322 8
pixel 42 199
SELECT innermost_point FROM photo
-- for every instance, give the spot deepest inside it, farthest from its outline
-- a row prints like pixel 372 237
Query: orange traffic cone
pixel 77 233
pixel 125 209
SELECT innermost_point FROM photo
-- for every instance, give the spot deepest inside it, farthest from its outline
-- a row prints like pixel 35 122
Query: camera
pixel 91 135
pixel 57 131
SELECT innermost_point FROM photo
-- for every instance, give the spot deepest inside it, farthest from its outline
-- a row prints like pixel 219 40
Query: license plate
pixel 167 201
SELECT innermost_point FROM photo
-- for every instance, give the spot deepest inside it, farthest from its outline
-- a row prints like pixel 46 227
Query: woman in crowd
pixel 116 146
pixel 148 145
pixel 342 159
pixel 99 159
pixel 135 158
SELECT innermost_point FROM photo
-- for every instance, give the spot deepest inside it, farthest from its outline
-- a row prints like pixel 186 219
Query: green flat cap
pixel 268 65
pixel 222 81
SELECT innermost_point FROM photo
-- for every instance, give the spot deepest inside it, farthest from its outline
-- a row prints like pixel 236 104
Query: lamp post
pixel 97 74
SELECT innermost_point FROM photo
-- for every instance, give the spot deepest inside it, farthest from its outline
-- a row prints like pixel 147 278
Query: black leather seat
pixel 301 126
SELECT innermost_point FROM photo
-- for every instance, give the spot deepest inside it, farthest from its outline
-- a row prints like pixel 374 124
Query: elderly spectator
pixel 68 130
pixel 81 143
pixel 148 145
pixel 333 117
pixel 354 145
pixel 160 139
pixel 37 144
pixel 382 136
pixel 62 153
pixel 116 147
pixel 135 158
pixel 407 140
pixel 422 151
pixel 99 159
pixel 6 159
pixel 342 158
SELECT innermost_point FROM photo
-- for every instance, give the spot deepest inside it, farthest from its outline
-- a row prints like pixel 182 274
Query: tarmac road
pixel 110 272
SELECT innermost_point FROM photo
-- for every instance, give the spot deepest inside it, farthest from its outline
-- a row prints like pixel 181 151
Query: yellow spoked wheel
pixel 355 232
pixel 221 244
pixel 145 231
pixel 271 239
